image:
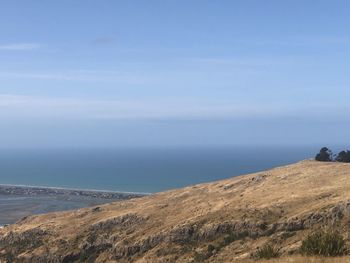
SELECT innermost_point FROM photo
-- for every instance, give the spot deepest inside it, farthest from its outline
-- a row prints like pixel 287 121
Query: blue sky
pixel 131 73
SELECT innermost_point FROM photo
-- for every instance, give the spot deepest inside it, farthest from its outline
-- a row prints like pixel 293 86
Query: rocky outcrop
pixel 104 236
pixel 118 223
pixel 27 240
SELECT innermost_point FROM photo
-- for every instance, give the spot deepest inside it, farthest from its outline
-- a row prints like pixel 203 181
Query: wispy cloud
pixel 17 106
pixel 164 108
pixel 240 62
pixel 309 40
pixel 104 41
pixel 20 46
pixel 77 75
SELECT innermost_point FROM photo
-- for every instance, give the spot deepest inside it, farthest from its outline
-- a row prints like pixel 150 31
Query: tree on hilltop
pixel 343 156
pixel 325 155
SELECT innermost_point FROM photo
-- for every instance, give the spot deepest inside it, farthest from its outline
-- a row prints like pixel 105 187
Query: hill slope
pixel 235 216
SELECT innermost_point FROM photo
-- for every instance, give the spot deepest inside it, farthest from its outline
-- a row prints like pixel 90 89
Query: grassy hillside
pixel 223 221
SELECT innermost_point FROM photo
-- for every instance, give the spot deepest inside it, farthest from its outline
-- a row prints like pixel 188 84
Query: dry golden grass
pixel 273 196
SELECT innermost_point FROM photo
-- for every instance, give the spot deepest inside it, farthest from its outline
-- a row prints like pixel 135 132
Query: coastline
pixel 68 189
pixel 18 201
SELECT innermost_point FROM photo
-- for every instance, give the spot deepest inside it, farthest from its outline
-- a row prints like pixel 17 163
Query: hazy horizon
pixel 173 74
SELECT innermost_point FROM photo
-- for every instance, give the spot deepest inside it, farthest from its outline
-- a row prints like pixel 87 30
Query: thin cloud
pixel 16 106
pixel 20 46
pixel 78 75
pixel 296 41
pixel 127 109
pixel 244 62
pixel 104 41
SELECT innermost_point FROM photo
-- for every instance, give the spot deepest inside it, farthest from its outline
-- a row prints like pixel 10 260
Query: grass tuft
pixel 267 252
pixel 328 244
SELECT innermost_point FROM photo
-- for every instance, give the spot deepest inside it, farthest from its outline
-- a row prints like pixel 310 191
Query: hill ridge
pixel 234 216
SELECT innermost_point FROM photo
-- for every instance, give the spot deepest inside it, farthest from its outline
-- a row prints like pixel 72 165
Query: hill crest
pixel 235 216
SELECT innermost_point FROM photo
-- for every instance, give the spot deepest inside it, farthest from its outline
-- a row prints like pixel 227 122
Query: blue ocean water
pixel 140 170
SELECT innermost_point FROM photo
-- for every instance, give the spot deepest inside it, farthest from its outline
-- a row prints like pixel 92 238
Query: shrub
pixel 325 155
pixel 211 249
pixel 200 257
pixel 323 244
pixel 267 252
pixel 343 156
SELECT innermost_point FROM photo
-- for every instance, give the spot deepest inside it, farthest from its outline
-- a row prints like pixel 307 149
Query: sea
pixel 142 170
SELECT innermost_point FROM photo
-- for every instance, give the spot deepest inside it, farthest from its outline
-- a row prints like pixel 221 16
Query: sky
pixel 173 73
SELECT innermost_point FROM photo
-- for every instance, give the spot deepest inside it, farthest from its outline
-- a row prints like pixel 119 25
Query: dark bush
pixel 266 252
pixel 323 244
pixel 343 156
pixel 211 248
pixel 325 155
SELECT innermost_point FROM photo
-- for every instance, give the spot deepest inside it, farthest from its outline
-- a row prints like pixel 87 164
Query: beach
pixel 18 201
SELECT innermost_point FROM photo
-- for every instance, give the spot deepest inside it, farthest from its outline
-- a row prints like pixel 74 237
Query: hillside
pixel 235 215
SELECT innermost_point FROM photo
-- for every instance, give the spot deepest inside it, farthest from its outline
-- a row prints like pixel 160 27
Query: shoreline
pixel 31 191
pixel 19 201
pixel 74 189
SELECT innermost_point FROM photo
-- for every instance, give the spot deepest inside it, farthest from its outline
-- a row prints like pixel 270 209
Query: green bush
pixel 267 252
pixel 324 244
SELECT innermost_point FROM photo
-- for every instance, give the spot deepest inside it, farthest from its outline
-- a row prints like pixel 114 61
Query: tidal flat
pixel 17 202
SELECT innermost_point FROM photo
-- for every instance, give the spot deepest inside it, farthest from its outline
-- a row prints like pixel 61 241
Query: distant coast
pixel 27 190
pixel 18 201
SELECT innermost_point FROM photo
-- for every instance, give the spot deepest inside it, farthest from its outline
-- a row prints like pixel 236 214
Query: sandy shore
pixel 17 201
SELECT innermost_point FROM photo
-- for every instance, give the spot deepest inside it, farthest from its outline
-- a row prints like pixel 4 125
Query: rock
pixel 120 222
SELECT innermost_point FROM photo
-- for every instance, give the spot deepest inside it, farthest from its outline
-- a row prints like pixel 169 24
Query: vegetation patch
pixel 27 240
pixel 326 155
pixel 286 235
pixel 266 252
pixel 200 257
pixel 231 237
pixel 323 243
